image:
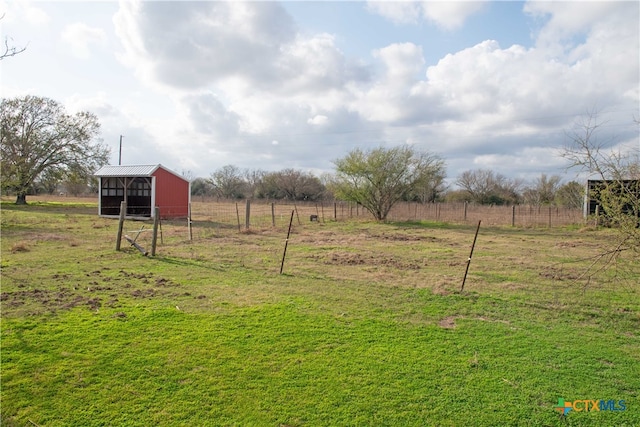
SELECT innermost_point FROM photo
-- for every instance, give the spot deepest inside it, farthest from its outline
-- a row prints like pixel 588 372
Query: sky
pixel 269 86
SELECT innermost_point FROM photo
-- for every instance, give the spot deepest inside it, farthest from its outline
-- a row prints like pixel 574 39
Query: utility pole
pixel 120 152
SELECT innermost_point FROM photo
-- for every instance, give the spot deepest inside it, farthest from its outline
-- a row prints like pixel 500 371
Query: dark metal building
pixel 628 189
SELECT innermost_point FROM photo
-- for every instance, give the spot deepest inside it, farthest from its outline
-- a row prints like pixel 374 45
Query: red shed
pixel 143 187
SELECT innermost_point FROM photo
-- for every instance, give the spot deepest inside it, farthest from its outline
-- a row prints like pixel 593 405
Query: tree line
pixel 43 147
pixel 480 186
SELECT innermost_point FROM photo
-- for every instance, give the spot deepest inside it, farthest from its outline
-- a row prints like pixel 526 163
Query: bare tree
pixel 543 191
pixel 486 187
pixel 618 192
pixel 9 49
pixel 291 184
pixel 570 195
pixel 253 179
pixel 228 182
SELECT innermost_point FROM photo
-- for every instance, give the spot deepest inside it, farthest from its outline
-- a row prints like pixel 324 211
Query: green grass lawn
pixel 366 327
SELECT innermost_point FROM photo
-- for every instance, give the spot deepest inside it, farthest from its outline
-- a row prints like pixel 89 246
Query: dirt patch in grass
pixel 356 258
pixel 446 287
pixel 94 291
pixel 331 238
pixel 326 238
pixel 19 247
pixel 403 236
pixel 559 273
pixel 448 322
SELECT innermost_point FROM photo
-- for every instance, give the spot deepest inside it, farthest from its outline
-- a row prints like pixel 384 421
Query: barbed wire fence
pixel 216 217
pixel 258 213
pixel 463 213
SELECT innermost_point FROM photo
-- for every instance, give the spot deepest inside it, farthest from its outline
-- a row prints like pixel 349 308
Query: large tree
pixel 292 184
pixel 380 177
pixel 201 187
pixel 228 182
pixel 487 187
pixel 37 136
pixel 253 179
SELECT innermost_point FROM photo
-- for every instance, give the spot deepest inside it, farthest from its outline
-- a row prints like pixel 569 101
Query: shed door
pixel 139 197
pixel 111 194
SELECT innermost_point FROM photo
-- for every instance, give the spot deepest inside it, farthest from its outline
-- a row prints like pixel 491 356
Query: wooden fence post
pixel 238 218
pixel 295 209
pixel 513 215
pixel 247 217
pixel 273 215
pixel 156 221
pixel 123 212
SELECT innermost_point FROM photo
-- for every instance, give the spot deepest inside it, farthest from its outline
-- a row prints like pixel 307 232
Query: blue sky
pixel 359 33
pixel 266 85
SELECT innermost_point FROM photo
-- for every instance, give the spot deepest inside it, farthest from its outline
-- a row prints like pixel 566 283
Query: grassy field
pixel 367 325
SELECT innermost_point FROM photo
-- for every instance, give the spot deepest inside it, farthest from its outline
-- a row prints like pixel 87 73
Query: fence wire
pixel 217 218
pixel 261 214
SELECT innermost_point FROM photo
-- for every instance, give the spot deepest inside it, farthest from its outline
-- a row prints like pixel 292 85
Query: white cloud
pixel 385 100
pixel 247 81
pixel 81 37
pixel 318 120
pixel 209 116
pixel 314 65
pixel 97 104
pixel 190 45
pixel 403 61
pixel 15 11
pixel 267 79
pixel 35 15
pixel 487 86
pixel 528 159
pixel 399 12
pixel 448 15
pixel 566 20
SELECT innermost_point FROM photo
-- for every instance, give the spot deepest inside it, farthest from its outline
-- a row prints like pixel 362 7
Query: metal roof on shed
pixel 130 171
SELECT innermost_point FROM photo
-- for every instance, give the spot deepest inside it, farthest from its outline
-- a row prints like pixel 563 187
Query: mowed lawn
pixel 367 326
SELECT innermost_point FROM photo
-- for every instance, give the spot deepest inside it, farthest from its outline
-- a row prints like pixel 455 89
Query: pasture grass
pixel 367 325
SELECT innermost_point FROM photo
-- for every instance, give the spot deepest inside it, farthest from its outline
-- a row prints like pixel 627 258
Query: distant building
pixel 627 188
pixel 143 187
